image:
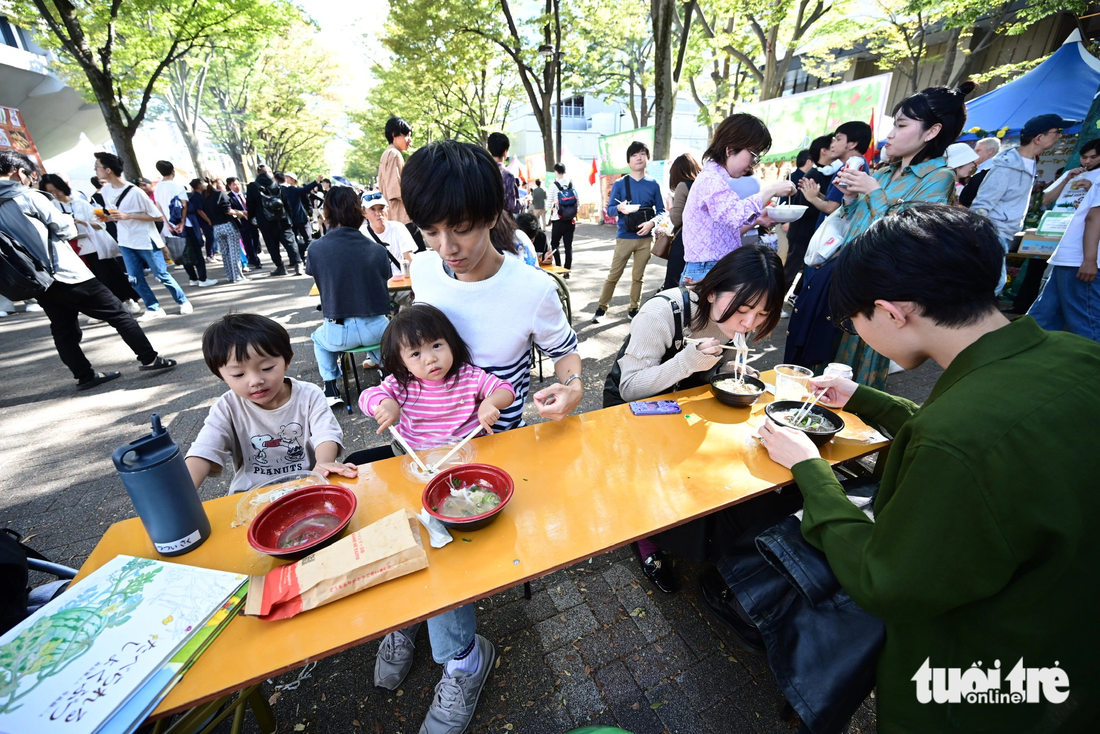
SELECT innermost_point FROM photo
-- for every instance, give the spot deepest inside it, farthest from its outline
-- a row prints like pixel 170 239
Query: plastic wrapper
pixel 256 499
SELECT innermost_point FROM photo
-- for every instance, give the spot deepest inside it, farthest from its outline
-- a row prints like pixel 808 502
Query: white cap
pixel 959 154
pixel 288 174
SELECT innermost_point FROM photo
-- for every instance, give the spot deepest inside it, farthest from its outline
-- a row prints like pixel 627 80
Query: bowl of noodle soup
pixel 468 497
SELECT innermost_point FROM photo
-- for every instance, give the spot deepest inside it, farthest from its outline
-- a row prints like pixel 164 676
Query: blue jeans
pixel 1006 243
pixel 331 339
pixel 1068 303
pixel 451 632
pixel 136 262
pixel 696 271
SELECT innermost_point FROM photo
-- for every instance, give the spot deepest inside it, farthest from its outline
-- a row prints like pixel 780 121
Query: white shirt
pixel 552 192
pixel 499 318
pixel 134 234
pixel 165 191
pixel 1071 248
pixel 397 239
pixel 1075 191
pixel 95 241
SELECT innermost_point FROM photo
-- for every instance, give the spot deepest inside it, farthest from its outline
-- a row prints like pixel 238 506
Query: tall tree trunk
pixel 664 90
pixel 949 56
pixel 122 137
pixel 192 143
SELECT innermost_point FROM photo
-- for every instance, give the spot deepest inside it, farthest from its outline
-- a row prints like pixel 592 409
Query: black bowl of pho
pixel 736 391
pixel 819 423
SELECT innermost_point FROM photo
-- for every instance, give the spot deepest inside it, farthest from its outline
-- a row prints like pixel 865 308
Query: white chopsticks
pixel 808 405
pixel 410 452
pixel 459 445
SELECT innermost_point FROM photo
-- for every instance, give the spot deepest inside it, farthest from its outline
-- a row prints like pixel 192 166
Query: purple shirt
pixel 714 215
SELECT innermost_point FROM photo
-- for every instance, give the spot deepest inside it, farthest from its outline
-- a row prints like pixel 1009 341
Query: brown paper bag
pixel 384 550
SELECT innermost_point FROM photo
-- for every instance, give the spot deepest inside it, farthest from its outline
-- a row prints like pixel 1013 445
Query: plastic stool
pixel 348 357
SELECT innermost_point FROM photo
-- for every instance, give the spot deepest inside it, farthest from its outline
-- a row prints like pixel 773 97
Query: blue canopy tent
pixel 1064 84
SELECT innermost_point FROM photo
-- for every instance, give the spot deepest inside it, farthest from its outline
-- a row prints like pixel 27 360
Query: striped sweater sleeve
pixel 370 398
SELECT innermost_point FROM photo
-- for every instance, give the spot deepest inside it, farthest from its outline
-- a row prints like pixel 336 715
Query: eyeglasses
pixel 848 327
pixel 756 158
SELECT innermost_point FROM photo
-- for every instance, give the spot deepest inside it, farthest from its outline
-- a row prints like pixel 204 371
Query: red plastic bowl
pixel 439 489
pixel 320 513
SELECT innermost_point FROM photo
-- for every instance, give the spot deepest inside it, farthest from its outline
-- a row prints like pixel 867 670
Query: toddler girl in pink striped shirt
pixel 432 393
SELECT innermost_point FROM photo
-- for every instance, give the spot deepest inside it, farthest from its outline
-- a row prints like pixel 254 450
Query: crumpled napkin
pixel 438 535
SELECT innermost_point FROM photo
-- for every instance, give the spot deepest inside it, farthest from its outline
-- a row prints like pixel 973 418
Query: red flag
pixel 595 171
pixel 872 149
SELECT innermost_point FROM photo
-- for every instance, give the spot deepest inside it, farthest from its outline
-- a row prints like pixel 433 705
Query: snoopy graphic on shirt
pixel 282 454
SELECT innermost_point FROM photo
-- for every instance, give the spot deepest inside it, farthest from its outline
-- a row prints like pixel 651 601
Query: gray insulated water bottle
pixel 157 480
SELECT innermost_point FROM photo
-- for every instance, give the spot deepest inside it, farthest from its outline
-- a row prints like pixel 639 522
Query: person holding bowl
pixel 981 547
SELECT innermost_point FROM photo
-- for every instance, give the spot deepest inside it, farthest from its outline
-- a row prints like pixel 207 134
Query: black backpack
pixel 611 395
pixel 271 199
pixel 23 275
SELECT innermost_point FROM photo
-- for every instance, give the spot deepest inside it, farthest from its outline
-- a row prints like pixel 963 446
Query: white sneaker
pixel 32 307
pixel 134 307
pixel 93 322
pixel 784 314
pixel 186 308
pixel 195 282
pixel 207 282
pixel 3 314
pixel 151 314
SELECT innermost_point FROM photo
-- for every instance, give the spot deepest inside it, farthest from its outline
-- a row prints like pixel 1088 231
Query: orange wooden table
pixel 394 284
pixel 590 483
pixel 551 268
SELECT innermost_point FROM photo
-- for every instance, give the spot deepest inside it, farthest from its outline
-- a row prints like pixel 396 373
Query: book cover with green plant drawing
pixel 71 665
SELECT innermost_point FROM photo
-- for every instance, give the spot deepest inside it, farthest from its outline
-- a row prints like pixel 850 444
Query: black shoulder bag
pixel 634 221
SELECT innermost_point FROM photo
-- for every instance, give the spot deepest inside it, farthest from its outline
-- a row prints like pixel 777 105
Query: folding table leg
pixel 345 360
pixel 527 590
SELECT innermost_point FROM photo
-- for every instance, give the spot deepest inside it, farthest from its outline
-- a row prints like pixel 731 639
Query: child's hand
pixel 351 471
pixel 387 414
pixel 487 414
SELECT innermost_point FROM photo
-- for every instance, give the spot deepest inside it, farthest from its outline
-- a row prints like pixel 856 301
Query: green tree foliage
pixel 117 52
pixel 611 56
pixel 272 101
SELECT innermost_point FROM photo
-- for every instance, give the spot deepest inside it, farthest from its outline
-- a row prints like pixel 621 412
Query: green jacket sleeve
pixel 887 411
pixel 934 544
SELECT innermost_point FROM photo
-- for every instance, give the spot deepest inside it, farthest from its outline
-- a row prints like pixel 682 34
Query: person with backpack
pixel 135 215
pixel 563 217
pixel 36 261
pixel 741 294
pixel 266 202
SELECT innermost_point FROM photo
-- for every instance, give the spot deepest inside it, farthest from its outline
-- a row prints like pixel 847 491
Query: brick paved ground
pixel 594 644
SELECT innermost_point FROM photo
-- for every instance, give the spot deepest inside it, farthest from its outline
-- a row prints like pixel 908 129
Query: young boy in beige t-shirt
pixel 267 424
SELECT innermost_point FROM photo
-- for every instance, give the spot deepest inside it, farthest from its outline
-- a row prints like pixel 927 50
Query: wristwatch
pixel 571 377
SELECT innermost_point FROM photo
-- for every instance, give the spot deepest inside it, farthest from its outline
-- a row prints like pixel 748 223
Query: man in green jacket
pixel 982 558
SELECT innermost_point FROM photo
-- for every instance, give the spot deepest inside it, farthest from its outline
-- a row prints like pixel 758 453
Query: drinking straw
pixel 460 444
pixel 409 451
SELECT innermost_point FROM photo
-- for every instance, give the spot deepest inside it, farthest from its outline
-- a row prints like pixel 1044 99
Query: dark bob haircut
pixel 110 161
pixel 396 126
pixel 858 132
pixel 738 132
pixel 451 183
pixel 233 335
pixel 684 168
pixel 57 182
pixel 945 259
pixel 343 208
pixel 498 144
pixel 637 147
pixel 937 105
pixel 1092 146
pixel 751 273
pixel 818 145
pixel 412 327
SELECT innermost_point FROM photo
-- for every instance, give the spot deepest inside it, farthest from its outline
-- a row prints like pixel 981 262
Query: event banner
pixel 14 134
pixel 796 120
pixel 613 149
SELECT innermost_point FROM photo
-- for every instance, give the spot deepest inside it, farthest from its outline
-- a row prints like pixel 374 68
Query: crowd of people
pixel 954 559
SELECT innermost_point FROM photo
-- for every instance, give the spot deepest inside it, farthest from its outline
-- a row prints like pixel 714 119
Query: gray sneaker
pixel 395 658
pixel 456 697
